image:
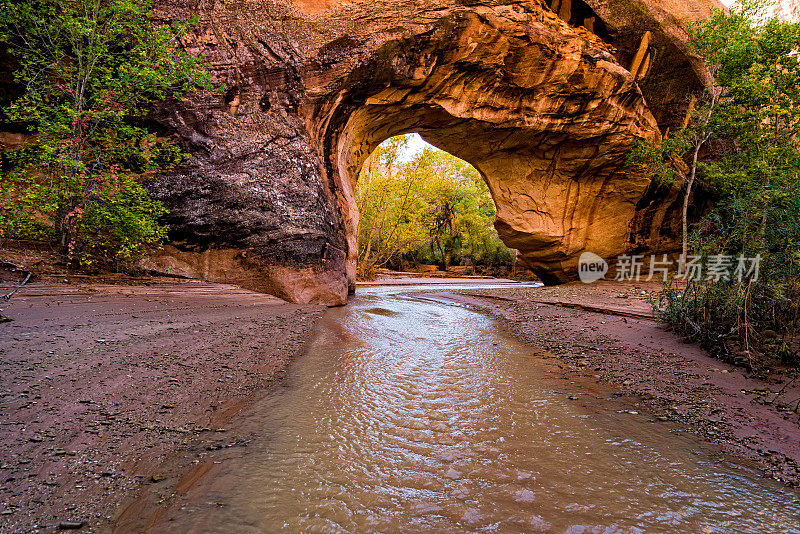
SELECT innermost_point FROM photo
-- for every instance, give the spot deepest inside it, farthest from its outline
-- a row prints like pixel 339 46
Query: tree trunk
pixel 762 229
pixel 686 199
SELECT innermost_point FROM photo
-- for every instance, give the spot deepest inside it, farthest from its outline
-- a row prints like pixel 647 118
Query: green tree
pixel 90 71
pixel 429 208
pixel 451 190
pixel 388 206
pixel 756 116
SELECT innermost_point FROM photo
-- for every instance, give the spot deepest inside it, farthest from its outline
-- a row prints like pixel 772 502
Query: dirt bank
pixel 606 332
pixel 107 391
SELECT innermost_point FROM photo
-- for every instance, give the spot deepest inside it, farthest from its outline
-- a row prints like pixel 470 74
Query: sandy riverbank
pixel 605 333
pixel 109 391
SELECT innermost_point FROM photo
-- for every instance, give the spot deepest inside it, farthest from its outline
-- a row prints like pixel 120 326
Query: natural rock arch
pixel 545 122
pixel 543 108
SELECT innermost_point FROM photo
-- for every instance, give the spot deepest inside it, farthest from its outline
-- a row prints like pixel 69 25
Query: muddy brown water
pixel 406 415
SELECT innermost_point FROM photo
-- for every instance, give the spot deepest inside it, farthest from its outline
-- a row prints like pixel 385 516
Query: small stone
pixel 453 474
pixel 525 495
pixel 70 525
pixel 427 508
pixel 471 516
pixel 157 478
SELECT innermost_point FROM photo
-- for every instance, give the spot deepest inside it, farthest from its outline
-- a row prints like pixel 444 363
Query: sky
pixel 415 145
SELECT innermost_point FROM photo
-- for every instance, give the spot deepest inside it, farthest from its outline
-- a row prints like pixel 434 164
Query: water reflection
pixel 414 416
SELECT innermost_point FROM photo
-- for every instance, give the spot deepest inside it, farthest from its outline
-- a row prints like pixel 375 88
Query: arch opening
pixel 422 209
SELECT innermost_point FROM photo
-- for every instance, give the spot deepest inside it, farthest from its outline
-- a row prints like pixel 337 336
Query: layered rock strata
pixel 542 99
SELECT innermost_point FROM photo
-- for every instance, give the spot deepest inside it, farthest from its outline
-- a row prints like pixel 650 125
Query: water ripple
pixel 409 416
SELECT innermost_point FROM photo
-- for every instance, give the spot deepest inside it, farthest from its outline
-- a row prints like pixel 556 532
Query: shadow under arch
pixel 545 116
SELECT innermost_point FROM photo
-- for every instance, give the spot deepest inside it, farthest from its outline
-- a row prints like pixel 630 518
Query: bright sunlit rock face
pixel 543 107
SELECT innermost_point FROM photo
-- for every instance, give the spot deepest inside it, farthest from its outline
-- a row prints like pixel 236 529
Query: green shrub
pixel 91 70
pixel 751 319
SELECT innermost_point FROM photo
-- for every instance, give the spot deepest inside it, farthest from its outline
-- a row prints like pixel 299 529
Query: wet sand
pixel 605 332
pixel 108 392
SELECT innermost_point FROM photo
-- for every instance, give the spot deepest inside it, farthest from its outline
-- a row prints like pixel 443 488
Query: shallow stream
pixel 412 416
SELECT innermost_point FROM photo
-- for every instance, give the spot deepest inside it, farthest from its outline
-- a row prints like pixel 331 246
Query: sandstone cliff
pixel 542 99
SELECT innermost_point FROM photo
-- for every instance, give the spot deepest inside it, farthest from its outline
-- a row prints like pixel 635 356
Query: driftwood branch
pixel 17 268
pixel 783 389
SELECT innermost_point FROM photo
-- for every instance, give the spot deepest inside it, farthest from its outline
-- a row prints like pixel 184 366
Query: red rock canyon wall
pixel 542 99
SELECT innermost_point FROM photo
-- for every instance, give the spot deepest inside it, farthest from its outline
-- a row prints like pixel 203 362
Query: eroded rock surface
pixel 543 100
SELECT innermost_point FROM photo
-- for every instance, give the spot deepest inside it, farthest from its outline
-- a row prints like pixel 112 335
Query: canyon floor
pixel 108 390
pixel 112 394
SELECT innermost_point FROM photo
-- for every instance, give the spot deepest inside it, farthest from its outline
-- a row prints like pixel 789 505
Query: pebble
pixel 427 508
pixel 70 525
pixel 525 495
pixel 472 516
pixel 452 474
